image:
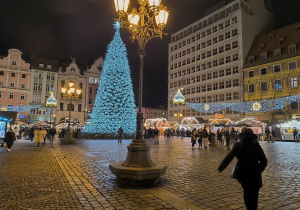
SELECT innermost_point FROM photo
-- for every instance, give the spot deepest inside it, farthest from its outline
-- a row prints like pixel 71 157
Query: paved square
pixel 77 177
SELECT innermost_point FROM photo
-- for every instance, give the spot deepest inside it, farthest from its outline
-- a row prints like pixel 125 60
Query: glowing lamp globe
pixel 63 90
pixel 154 4
pixel 78 91
pixel 121 6
pixel 134 17
pixel 162 16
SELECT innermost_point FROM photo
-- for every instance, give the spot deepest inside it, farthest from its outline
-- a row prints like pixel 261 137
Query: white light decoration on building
pixel 178 98
pixel 290 124
pixel 206 107
pixel 256 106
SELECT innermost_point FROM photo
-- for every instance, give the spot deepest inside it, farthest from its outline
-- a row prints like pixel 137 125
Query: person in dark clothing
pixel 227 137
pixel 267 132
pixel 31 134
pixel 120 134
pixel 205 137
pixel 52 132
pixel 194 137
pixel 251 163
pixel 9 139
pixel 295 134
pixel 219 137
pixel 200 138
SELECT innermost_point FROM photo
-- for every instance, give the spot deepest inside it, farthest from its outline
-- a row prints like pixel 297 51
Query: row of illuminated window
pixel 209 64
pixel 209 21
pixel 208 43
pixel 41 66
pixel 212 75
pixel 93 90
pixel 12 74
pixel 48 77
pixel 12 95
pixel 12 85
pixel 276 84
pixel 210 87
pixel 39 87
pixel 276 68
pixel 276 53
pixel 70 107
pixel 93 80
pixel 45 111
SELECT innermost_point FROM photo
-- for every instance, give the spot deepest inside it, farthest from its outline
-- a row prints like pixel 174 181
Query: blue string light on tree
pixel 114 104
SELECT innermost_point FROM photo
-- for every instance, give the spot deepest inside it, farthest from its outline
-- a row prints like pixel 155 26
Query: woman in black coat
pixel 251 163
pixel 9 139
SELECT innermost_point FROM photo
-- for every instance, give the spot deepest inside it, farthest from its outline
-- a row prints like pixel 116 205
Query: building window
pixel 203 99
pixel 236 96
pixel 221 37
pixel 40 75
pixel 215 98
pixel 228 96
pixel 208 42
pixel 52 77
pixel 234 20
pixel 221 73
pixel 203 77
pixel 221 61
pixel 0 94
pixel 51 87
pixel 40 87
pixel 221 97
pixel 277 53
pixel 90 101
pixel 221 85
pixel 228 71
pixel 295 105
pixel 264 86
pixel 209 87
pixel 13 74
pixel 278 85
pixel 227 47
pixel 234 32
pixel 251 73
pixel 11 95
pixel 228 59
pixel 234 44
pixel 215 63
pixel 1 84
pixel 235 57
pixel 221 26
pixel 79 107
pixel 263 56
pixel 276 68
pixel 47 87
pixel 292 49
pixel 91 90
pixel 215 40
pixel 235 70
pixel 61 106
pixel 49 66
pixel 292 65
pixel 12 84
pixel 221 49
pixel 215 86
pixel 251 88
pixel 228 84
pixel 35 86
pixel 215 75
pixel 215 29
pixel 70 107
pixel 227 23
pixel 22 86
pixel 41 65
pixel 48 76
pixel 22 96
pixel 251 60
pixel 23 76
pixel 1 73
pixel 203 88
pixel 293 82
pixel 263 71
pixel 198 89
pixel 227 35
pixel 235 82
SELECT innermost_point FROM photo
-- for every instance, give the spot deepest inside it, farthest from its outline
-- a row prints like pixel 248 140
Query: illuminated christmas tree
pixel 114 104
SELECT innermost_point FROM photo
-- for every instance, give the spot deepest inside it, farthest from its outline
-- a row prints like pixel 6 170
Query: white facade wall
pixel 206 58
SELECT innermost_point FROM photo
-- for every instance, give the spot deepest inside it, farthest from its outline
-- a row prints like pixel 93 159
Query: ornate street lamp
pixel 178 99
pixel 144 24
pixel 70 94
pixel 51 102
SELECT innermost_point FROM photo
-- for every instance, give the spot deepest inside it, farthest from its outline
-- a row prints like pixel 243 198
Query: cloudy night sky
pixel 61 29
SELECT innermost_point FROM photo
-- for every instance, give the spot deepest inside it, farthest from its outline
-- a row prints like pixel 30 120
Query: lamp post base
pixel 138 169
pixel 68 139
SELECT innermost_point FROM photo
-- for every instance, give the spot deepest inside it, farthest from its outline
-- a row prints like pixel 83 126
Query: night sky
pixel 61 29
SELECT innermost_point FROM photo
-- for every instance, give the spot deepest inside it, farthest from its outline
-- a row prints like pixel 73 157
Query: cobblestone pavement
pixel 77 177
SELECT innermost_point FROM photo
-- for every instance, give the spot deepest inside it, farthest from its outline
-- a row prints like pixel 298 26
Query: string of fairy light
pixel 247 107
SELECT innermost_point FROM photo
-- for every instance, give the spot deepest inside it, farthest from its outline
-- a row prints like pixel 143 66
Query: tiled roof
pixel 281 39
pixel 35 63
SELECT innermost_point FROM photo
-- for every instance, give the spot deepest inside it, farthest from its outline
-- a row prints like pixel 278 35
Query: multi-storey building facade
pixel 93 78
pixel 44 78
pixel 71 72
pixel 206 58
pixel 151 113
pixel 272 70
pixel 15 80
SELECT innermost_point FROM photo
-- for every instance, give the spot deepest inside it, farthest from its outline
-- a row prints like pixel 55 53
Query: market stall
pixel 257 126
pixel 4 124
pixel 189 123
pixel 287 129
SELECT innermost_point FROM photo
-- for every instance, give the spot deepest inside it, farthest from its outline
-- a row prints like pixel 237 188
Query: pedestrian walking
pixel 31 134
pixel 200 139
pixel 219 137
pixel 295 134
pixel 45 135
pixel 120 134
pixel 233 138
pixel 193 138
pixel 267 132
pixel 251 163
pixel 227 137
pixel 156 135
pixel 52 132
pixel 9 138
pixel 205 137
